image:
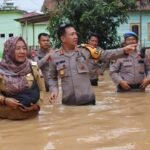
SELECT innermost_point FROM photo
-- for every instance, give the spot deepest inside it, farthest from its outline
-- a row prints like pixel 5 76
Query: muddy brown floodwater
pixel 117 122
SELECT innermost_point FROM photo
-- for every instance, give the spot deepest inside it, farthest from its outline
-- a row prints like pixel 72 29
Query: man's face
pixel 44 42
pixel 93 41
pixel 70 38
pixel 131 40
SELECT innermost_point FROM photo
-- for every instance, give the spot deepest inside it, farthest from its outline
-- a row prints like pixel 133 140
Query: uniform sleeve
pixel 35 58
pixel 107 55
pixel 114 72
pixel 33 55
pixel 147 67
pixel 43 60
pixel 104 55
pixel 53 78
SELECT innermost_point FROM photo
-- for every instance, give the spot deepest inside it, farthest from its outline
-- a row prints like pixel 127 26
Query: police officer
pixel 95 68
pixel 131 73
pixel 70 64
pixel 42 55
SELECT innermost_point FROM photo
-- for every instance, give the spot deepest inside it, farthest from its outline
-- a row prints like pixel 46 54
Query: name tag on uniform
pixel 126 64
pixel 141 61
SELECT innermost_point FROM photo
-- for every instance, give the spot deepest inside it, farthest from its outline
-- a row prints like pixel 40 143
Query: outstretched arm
pixel 117 53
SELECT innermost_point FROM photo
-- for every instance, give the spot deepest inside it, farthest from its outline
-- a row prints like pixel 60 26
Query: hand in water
pixel 12 103
pixel 53 97
pixel 124 85
pixel 33 107
pixel 145 83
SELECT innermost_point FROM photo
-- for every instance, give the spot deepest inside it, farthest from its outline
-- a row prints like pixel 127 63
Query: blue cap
pixel 129 34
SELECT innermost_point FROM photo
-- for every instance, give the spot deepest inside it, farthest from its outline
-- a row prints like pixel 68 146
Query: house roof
pixel 30 14
pixel 36 18
pixel 13 10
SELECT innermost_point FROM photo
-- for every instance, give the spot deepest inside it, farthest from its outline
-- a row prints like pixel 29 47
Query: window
pixel 2 35
pixel 11 34
pixel 135 28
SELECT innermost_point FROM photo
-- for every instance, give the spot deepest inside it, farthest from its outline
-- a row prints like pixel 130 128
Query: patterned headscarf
pixel 13 73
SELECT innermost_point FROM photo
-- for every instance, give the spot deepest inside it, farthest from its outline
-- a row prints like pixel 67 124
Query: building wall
pixel 8 25
pixel 134 19
pixel 28 34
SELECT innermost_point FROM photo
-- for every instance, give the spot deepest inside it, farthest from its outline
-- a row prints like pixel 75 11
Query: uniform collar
pixel 69 54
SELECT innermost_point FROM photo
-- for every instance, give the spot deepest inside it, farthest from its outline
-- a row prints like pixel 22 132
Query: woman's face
pixel 20 51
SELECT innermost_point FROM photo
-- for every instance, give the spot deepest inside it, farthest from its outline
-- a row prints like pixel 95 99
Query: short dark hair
pixel 42 34
pixel 93 34
pixel 61 30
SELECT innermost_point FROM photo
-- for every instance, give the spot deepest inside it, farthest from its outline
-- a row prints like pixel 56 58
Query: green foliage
pixel 101 16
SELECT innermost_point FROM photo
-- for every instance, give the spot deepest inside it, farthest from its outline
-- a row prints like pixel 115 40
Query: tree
pixel 100 16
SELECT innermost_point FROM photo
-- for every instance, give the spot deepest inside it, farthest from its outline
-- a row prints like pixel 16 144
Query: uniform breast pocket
pixel 61 68
pixel 82 67
pixel 127 66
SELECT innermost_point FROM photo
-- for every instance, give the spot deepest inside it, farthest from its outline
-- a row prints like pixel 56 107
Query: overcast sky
pixel 28 5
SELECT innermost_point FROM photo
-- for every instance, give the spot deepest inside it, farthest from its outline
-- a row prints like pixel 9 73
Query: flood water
pixel 117 122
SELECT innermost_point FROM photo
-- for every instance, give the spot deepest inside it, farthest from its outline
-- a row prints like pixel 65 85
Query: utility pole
pixel 142 3
pixel 140 22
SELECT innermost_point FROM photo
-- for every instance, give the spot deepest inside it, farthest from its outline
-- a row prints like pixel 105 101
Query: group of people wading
pixel 24 77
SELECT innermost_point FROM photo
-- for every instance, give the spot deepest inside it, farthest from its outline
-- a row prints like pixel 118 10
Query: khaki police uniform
pixel 36 74
pixel 6 112
pixel 132 68
pixel 73 70
pixel 95 70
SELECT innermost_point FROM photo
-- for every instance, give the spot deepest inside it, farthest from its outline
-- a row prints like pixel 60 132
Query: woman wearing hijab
pixel 19 80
